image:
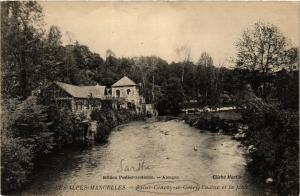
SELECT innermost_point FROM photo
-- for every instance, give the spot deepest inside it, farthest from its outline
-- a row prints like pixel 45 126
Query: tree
pixel 205 60
pixel 286 89
pixel 16 163
pixel 54 37
pixel 21 41
pixel 261 48
pixel 205 76
pixel 171 98
pixel 142 65
pixel 184 56
pixel 274 134
pixel 292 59
pixel 31 123
pixel 53 56
pixel 145 71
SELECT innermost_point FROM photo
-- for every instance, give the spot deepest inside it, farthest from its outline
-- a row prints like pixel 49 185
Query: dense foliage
pixel 16 163
pixel 30 131
pixel 273 135
pixel 271 105
pixel 111 118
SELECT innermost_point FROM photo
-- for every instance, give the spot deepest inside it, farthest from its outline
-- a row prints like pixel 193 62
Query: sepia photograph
pixel 150 98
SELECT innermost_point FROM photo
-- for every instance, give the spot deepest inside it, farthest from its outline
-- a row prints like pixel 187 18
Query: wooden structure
pixel 79 99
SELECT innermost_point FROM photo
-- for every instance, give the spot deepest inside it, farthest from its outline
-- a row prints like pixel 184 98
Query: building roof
pixel 125 81
pixel 83 91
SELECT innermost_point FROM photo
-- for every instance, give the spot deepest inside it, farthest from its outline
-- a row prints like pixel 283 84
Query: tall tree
pixel 54 37
pixel 205 60
pixel 205 76
pixel 184 56
pixel 171 99
pixel 21 34
pixel 53 56
pixel 261 49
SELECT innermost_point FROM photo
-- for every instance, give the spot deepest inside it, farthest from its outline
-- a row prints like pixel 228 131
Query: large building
pixel 83 99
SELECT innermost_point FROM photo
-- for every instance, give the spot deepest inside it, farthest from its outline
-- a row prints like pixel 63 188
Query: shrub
pixel 274 134
pixel 16 162
pixel 31 123
pixel 108 119
pixel 25 136
pixel 63 126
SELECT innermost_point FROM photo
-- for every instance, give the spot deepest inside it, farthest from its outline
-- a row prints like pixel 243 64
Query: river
pixel 159 149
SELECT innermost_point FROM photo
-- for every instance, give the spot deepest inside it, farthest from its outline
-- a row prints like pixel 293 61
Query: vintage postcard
pixel 149 98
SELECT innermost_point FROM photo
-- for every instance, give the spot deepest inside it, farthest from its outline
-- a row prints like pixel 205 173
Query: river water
pixel 156 150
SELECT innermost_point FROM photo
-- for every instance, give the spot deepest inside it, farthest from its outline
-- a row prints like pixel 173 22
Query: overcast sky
pixel 142 28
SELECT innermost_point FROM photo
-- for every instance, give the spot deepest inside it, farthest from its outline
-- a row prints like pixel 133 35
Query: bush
pixel 16 162
pixel 30 130
pixel 274 134
pixel 108 119
pixel 63 126
pixel 31 123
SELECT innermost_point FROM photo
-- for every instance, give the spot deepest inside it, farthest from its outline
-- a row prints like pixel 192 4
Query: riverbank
pixel 272 141
pixel 224 122
pixel 269 137
pixel 32 132
pixel 107 120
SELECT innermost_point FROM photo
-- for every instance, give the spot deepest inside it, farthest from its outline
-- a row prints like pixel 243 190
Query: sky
pixel 132 29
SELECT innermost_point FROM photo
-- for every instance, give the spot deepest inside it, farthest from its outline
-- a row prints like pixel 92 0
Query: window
pixel 69 105
pixel 118 93
pixel 128 91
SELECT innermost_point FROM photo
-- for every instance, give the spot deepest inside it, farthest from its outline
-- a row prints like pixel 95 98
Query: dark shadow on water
pixel 167 118
pixel 60 163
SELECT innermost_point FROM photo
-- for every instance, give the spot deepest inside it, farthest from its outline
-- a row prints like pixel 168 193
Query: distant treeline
pixel 32 57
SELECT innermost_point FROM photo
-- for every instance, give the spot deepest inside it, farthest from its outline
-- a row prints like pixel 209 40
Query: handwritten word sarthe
pixel 125 167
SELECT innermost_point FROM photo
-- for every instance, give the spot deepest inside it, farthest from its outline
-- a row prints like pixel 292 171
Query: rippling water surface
pixel 165 148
